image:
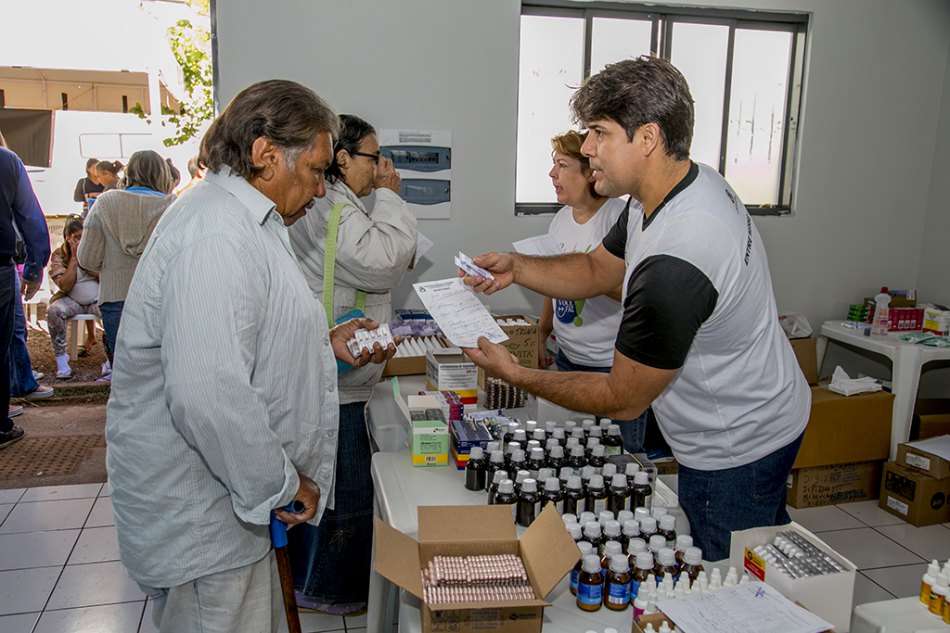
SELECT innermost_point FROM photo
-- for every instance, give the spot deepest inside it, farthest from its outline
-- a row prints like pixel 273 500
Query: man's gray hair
pixel 287 113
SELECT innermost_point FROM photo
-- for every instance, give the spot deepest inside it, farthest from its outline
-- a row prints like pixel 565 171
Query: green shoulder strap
pixel 329 264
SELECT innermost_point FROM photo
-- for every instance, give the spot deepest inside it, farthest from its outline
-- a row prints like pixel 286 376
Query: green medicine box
pixel 429 434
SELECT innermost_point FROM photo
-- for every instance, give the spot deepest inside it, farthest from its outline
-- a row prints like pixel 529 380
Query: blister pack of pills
pixel 365 339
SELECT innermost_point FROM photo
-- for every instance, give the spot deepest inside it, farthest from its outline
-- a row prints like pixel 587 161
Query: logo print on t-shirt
pixel 569 311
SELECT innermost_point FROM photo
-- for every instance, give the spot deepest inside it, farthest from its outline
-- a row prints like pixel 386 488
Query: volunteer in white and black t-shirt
pixel 699 338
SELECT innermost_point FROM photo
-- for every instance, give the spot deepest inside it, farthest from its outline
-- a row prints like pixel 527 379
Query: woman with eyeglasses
pixel 117 229
pixel 352 256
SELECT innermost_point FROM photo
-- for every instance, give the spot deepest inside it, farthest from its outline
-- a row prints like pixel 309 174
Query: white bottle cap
pixel 609 470
pixel 618 481
pixel 578 433
pixel 574 482
pixel 596 481
pixel 477 452
pixel 641 478
pixel 587 423
pixel 657 542
pixel 537 454
pixel 667 557
pixel 497 457
pixel 648 525
pixel 575 531
pixel 529 485
pixel 572 442
pixel 665 628
pixel 612 528
pixel 539 434
pixel 531 424
pixel 592 530
pixel 585 548
pixel 493 446
pixel 942 580
pixel 544 473
pixel 683 541
pixel 577 450
pixel 640 513
pixel 499 477
pixel 565 472
pixel 658 512
pixel 596 432
pixel 570 424
pixel 636 546
pixel 507 486
pixel 631 469
pixel 631 527
pixel 645 560
pixel 591 564
pixel 613 548
pixel 587 472
pixel 597 450
pixel 693 556
pixel 521 475
pixel 558 433
pixel 520 436
pixel 551 484
pixel 517 455
pixel 557 451
pixel 619 563
pixel 667 522
pixel 569 518
pixel 624 515
pixel 549 426
pixel 649 629
pixel 613 430
pixel 586 517
pixel 605 515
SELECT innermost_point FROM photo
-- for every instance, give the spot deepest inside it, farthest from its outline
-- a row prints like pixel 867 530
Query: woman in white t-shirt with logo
pixel 585 329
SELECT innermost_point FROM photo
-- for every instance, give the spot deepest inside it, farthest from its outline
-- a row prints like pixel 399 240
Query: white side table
pixel 907 362
pixel 906 615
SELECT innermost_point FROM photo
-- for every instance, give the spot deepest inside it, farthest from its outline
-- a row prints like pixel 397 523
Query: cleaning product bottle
pixel 929 578
pixel 590 585
pixel 586 550
pixel 938 595
pixel 882 311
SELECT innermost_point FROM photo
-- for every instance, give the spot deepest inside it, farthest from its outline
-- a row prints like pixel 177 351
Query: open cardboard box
pixel 829 596
pixel 546 548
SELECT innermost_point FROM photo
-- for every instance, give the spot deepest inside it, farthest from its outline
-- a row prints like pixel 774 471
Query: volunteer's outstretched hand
pixel 495 359
pixel 501 265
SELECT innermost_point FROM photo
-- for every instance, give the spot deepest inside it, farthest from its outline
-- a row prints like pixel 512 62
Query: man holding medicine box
pixel 699 339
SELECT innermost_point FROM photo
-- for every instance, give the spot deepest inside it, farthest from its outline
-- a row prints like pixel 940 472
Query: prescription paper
pixel 458 312
pixel 754 607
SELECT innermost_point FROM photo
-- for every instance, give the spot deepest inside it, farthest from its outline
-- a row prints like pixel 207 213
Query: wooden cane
pixel 278 537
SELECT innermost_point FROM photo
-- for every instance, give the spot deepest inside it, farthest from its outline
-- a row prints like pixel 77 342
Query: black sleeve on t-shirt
pixel 616 239
pixel 667 300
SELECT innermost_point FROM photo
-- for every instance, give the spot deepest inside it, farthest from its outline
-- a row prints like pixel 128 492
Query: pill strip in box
pixel 364 339
pixel 794 555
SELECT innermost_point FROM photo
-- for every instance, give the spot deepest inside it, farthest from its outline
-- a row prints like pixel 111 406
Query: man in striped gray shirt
pixel 224 401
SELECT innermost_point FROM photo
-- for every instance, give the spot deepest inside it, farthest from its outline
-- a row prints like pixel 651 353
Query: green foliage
pixel 190 45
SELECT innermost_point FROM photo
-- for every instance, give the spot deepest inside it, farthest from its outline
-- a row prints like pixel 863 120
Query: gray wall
pixel 874 84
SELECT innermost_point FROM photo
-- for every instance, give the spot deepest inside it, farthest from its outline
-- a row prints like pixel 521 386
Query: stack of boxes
pixel 916 487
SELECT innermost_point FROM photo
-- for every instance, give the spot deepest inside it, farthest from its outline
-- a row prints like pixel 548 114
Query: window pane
pixel 757 114
pixel 551 68
pixel 699 51
pixel 613 39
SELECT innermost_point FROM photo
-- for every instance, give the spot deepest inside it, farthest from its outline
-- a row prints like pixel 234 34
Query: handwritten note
pixel 754 607
pixel 458 312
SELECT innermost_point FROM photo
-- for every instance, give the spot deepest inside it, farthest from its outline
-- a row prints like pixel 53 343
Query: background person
pixel 88 187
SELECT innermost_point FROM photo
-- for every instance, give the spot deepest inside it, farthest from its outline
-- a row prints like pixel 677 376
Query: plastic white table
pixel 401 488
pixel 906 615
pixel 907 362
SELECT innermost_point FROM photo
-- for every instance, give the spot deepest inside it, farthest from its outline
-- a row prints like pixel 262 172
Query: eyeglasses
pixel 372 157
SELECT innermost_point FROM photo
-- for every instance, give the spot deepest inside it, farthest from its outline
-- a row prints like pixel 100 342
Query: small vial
pixel 510 448
pixel 647 528
pixel 592 535
pixel 634 547
pixel 576 532
pixel 612 532
pixel 605 515
pixel 577 458
pixel 539 435
pixel 521 436
pixel 496 463
pixel 668 529
pixel 563 474
pixel 590 585
pixel 560 436
pixel 596 457
pixel 641 495
pixel 475 469
pixel 640 513
pixel 608 471
pixel 569 518
pixel 520 476
pixel 527 502
pixel 517 463
pixel 556 457
pixel 573 496
pixel 692 563
pixel 619 495
pixel 586 550
pixel 928 580
pixel 683 541
pixel 938 595
pixel 666 565
pixel 579 435
pixel 642 572
pixel 586 517
pixel 506 493
pixel 630 530
pixel 596 499
pixel 657 512
pixel 586 426
pixel 544 473
pixel 499 477
pixel 586 473
pixel 656 543
pixel 552 493
pixel 617 583
pixel 613 441
pixel 536 462
pixel 611 548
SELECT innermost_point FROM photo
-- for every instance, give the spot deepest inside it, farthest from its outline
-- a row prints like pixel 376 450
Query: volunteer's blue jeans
pixel 111 312
pixel 632 431
pixel 332 561
pixel 718 502
pixel 21 369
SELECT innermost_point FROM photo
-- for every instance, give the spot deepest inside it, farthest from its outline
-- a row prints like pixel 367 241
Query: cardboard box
pixel 928 456
pixel 807 355
pixel 546 548
pixel 451 370
pixel 936 320
pixel 914 496
pixel 829 596
pixel 846 429
pixel 428 432
pixel 838 483
pixel 522 339
pixel 931 418
pixel 412 365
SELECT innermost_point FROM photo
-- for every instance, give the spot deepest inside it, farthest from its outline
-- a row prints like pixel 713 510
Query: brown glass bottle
pixel 475 469
pixel 586 549
pixel 692 563
pixel 527 502
pixel 574 496
pixel 590 585
pixel 618 495
pixel 617 584
pixel 552 493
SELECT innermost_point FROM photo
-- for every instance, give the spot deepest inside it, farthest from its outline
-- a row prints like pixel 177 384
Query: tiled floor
pixel 60 569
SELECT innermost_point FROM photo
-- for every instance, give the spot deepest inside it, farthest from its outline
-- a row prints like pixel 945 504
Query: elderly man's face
pixel 293 187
